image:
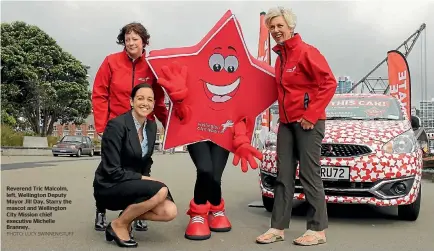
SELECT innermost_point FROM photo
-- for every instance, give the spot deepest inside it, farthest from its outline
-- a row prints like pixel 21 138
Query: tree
pixel 41 82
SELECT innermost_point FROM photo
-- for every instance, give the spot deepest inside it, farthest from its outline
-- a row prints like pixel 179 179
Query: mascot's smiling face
pixel 223 68
pixel 222 62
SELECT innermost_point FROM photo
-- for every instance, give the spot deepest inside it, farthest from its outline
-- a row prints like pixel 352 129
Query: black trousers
pixel 296 144
pixel 210 161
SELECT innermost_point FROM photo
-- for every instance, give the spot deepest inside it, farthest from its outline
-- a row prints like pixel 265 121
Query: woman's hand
pixel 306 125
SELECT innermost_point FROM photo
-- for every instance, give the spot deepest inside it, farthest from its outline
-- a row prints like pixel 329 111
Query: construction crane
pixel 381 85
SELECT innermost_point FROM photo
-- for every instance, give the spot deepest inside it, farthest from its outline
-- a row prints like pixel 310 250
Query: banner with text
pixel 399 78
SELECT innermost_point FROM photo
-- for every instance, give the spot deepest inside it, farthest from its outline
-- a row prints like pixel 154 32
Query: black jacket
pixel 121 153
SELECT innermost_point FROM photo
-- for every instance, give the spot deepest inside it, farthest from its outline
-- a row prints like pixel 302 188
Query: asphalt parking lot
pixel 352 227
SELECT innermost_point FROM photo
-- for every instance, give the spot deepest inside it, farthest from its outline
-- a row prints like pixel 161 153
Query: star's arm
pixel 243 149
pixel 160 107
pixel 175 83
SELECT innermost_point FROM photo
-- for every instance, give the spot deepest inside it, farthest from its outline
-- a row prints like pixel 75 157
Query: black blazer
pixel 121 153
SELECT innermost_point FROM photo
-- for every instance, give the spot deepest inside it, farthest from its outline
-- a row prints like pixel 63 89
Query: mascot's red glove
pixel 175 83
pixel 243 150
pixel 183 112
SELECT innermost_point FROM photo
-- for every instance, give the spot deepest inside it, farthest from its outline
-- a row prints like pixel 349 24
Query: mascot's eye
pixel 231 64
pixel 216 62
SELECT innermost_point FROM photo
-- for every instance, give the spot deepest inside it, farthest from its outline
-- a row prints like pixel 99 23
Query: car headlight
pixel 404 143
pixel 271 141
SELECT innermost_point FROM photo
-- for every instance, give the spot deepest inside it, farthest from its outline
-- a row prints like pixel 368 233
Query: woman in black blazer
pixel 127 146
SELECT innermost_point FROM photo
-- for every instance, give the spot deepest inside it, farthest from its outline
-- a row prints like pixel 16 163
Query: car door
pixel 85 146
pixel 90 143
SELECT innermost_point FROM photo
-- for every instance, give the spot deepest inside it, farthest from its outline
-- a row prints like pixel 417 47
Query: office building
pixel 344 85
pixel 427 114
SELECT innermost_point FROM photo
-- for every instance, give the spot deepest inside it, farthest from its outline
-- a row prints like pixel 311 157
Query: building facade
pixel 427 114
pixel 344 85
pixel 86 129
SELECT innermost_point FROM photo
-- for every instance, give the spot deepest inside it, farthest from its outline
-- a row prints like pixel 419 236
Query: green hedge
pixel 9 137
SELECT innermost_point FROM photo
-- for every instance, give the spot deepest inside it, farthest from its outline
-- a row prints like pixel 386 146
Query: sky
pixel 353 36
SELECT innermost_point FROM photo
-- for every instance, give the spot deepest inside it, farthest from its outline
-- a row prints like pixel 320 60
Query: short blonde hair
pixel 287 14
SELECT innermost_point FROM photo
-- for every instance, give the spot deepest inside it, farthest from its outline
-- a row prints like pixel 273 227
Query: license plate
pixel 62 151
pixel 335 173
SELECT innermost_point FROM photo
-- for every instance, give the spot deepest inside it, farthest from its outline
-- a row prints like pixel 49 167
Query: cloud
pixel 353 36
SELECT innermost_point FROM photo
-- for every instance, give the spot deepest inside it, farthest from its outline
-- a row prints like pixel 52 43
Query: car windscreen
pixel 364 108
pixel 71 139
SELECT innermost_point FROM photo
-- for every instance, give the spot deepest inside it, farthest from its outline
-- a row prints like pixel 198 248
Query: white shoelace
pixel 218 213
pixel 198 219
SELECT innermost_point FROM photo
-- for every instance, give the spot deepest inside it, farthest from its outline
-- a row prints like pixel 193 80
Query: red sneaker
pixel 218 221
pixel 198 228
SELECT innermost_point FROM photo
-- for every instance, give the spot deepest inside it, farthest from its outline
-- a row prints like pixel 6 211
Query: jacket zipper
pixel 282 67
pixel 134 71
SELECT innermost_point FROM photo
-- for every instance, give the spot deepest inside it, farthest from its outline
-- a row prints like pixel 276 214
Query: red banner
pixel 264 42
pixel 399 78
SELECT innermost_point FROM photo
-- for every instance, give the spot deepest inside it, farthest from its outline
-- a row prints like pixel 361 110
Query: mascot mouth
pixel 221 93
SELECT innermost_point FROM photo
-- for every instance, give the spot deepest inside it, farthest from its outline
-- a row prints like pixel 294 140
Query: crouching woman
pixel 127 146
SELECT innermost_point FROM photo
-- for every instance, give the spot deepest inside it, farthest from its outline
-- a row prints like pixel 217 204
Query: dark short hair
pixel 138 87
pixel 137 28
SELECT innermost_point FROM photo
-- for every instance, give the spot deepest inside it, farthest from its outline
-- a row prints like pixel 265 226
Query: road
pixel 351 227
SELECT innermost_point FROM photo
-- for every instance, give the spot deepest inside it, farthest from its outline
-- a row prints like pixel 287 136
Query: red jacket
pixel 112 88
pixel 305 81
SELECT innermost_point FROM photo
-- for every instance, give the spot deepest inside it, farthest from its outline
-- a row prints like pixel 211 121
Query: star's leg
pixel 218 221
pixel 198 228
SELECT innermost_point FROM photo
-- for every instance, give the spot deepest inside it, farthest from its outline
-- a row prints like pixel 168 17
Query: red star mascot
pixel 217 89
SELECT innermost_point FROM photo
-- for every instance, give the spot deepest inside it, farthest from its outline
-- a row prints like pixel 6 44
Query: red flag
pixel 399 78
pixel 264 41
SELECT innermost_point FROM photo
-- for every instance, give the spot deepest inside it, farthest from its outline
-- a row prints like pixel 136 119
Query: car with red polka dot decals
pixel 369 155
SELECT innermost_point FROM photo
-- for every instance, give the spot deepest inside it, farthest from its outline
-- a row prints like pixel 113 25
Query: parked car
pixel 369 155
pixel 97 146
pixel 74 146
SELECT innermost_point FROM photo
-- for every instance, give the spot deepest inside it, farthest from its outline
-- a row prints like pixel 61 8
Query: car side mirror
pixel 415 122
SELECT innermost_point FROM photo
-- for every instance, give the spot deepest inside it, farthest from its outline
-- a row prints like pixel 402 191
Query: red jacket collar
pixel 129 59
pixel 289 43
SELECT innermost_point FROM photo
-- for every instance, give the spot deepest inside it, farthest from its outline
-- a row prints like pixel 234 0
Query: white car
pixel 369 155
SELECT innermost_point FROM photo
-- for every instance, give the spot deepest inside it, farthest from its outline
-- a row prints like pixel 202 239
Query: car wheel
pixel 268 203
pixel 91 153
pixel 55 155
pixel 411 212
pixel 79 153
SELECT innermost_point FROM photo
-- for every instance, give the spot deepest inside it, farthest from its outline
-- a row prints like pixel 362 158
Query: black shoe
pixel 110 235
pixel 140 225
pixel 100 221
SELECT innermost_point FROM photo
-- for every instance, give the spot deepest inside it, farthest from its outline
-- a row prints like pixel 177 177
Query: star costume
pixel 217 89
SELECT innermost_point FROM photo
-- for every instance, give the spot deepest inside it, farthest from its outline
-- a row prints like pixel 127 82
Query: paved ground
pixel 351 227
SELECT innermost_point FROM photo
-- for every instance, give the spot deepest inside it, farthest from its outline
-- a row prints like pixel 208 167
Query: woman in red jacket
pixel 305 85
pixel 114 81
